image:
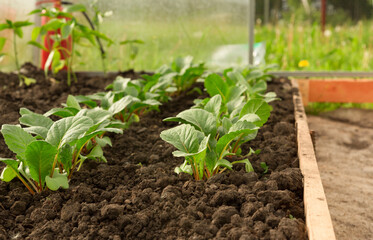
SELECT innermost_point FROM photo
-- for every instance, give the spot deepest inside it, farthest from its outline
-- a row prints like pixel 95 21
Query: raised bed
pixel 318 220
pixel 137 194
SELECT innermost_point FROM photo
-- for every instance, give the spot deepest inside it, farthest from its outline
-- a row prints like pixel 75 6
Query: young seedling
pixel 47 152
pixel 133 50
pixel 216 127
pixel 16 28
pixel 64 26
pixel 95 25
pixel 182 73
pixel 127 101
pixel 224 135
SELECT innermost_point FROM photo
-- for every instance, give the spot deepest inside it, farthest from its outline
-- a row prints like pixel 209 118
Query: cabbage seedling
pixel 207 137
pixel 48 152
pixel 183 72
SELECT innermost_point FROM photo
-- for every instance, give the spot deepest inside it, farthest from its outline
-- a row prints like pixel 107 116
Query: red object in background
pixel 48 41
pixel 323 15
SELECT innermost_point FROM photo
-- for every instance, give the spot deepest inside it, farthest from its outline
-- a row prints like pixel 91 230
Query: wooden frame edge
pixel 318 221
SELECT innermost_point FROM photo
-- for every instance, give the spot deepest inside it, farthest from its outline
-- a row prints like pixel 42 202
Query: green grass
pixel 345 48
pixel 348 47
pixel 317 108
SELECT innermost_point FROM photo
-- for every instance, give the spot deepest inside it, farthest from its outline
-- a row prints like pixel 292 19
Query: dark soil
pixel 137 195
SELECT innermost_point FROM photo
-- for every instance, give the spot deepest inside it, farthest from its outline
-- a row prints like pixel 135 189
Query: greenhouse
pixel 186 119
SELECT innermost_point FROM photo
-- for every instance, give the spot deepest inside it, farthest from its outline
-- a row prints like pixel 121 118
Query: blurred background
pixel 287 32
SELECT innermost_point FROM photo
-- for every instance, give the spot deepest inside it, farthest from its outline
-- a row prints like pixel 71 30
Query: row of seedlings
pixel 214 129
pixel 48 152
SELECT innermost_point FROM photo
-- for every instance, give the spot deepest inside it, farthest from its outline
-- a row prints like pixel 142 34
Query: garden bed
pixel 138 195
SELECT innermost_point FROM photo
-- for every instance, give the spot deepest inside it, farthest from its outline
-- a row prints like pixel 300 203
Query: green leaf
pixel 201 149
pixel 28 81
pixel 4 26
pixel 185 168
pixel 239 126
pixel 119 84
pixel 98 115
pixel 223 163
pixel 9 22
pixel 138 41
pixel 65 156
pixel 240 79
pixel 34 119
pixel 248 166
pixel 18 32
pixel 96 153
pixel 20 24
pixel 86 100
pixel 213 105
pixel 38 124
pixel 39 159
pixel 258 107
pixel 197 158
pixel 234 92
pixel 269 96
pixel 214 84
pixel 72 102
pixel 76 8
pixel 223 143
pixel 104 141
pixel 199 118
pixel 2 43
pixel 62 112
pixel 57 63
pixel 35 11
pixel 250 117
pixel 66 29
pixel 10 171
pixel 67 130
pixel 258 87
pixel 121 104
pixel 16 138
pixel 102 36
pixel 58 180
pixel 184 137
pixel 226 124
pixel 53 24
pixel 24 111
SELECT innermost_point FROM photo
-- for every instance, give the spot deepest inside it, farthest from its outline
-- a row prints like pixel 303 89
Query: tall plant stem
pixel 103 62
pixel 16 55
pixel 235 148
pixel 23 181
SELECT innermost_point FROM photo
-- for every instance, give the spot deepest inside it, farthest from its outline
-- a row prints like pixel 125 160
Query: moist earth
pixel 137 195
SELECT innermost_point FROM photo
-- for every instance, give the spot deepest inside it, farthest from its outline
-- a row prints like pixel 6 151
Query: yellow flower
pixel 303 63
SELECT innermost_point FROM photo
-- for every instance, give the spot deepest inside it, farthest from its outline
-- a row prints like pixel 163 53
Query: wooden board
pixel 336 90
pixel 318 221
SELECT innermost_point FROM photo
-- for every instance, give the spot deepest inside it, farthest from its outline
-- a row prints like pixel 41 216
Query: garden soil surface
pixel 137 195
pixel 344 151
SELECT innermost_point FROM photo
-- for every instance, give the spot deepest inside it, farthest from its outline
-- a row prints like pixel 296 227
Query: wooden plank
pixel 336 90
pixel 304 87
pixel 358 91
pixel 318 221
pixel 323 74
